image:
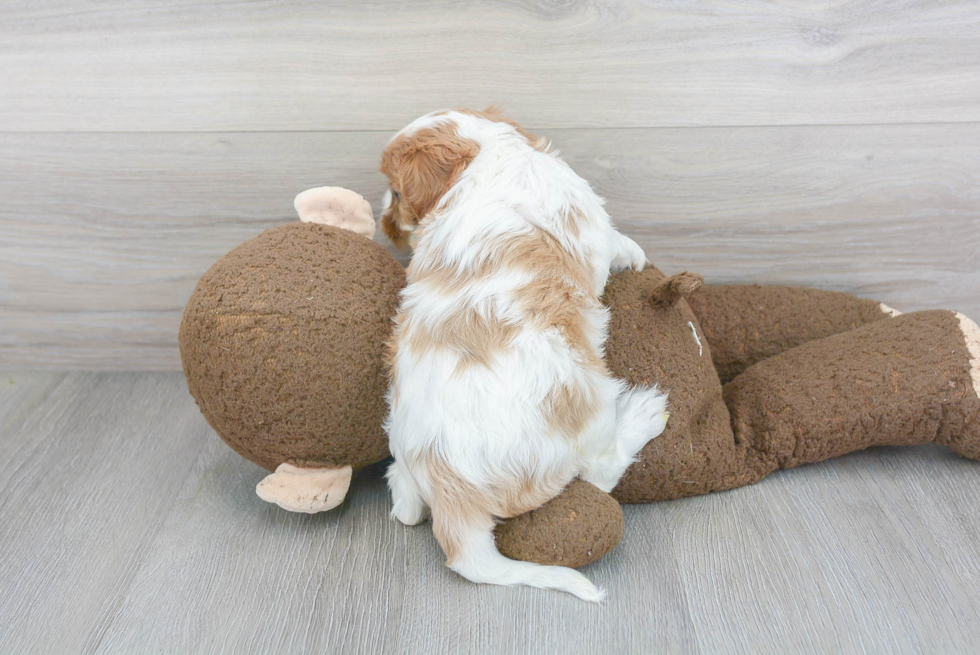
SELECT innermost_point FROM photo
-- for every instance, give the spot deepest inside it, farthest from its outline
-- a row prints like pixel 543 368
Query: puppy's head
pixel 422 163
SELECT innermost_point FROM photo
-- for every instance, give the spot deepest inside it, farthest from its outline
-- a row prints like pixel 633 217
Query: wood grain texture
pixel 89 467
pixel 129 527
pixel 103 236
pixel 116 65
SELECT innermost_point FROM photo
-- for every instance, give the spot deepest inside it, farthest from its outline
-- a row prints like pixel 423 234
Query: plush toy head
pixel 282 343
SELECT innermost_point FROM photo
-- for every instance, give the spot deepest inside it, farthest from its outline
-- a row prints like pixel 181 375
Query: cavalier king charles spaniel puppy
pixel 499 394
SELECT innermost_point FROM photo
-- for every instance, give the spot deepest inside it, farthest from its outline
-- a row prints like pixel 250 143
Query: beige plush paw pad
pixel 307 490
pixel 971 333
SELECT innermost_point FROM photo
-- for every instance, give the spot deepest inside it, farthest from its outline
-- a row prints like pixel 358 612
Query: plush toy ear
pixel 306 490
pixel 337 206
pixel 676 287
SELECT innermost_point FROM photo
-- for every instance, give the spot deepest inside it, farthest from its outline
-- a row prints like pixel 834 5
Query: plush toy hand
pixel 337 206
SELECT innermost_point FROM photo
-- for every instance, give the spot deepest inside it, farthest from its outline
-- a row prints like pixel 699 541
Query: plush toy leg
pixel 577 527
pixel 307 490
pixel 906 380
pixel 748 323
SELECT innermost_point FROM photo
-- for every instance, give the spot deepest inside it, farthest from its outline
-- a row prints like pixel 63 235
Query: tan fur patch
pixel 569 409
pixel 557 297
pixel 559 294
pixel 474 338
pixel 421 167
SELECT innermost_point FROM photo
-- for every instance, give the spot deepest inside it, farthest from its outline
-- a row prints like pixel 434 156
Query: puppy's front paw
pixel 630 255
pixel 638 258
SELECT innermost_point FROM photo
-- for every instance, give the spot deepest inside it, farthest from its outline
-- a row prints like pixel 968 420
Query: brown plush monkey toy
pixel 282 344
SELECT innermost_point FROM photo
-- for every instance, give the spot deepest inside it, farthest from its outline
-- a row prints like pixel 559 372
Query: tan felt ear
pixel 675 287
pixel 307 490
pixel 337 206
pixel 971 333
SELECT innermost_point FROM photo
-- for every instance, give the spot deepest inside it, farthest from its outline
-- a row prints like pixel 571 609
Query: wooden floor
pixel 128 526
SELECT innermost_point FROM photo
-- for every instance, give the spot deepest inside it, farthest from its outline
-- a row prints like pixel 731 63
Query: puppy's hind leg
pixel 408 505
pixel 641 415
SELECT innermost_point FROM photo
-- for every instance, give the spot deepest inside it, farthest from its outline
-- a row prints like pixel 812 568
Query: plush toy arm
pixel 906 380
pixel 745 324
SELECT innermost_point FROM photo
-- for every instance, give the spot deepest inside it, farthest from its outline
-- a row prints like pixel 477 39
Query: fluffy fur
pixel 499 393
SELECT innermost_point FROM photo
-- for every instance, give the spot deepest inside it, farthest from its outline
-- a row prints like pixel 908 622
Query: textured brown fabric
pixel 654 343
pixel 901 381
pixel 748 323
pixel 282 346
pixel 577 527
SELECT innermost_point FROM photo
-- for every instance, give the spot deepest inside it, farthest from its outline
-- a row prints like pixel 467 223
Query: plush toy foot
pixel 965 439
pixel 906 380
pixel 307 490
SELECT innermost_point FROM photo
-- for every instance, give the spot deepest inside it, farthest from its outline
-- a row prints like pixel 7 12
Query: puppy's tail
pixel 466 536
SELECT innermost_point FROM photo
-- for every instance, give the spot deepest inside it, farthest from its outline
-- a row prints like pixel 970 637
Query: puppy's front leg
pixel 626 254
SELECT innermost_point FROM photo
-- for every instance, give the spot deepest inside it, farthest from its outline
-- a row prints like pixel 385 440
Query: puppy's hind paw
pixel 410 513
pixel 408 506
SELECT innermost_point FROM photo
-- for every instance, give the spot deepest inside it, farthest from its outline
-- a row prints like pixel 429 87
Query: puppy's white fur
pixel 473 438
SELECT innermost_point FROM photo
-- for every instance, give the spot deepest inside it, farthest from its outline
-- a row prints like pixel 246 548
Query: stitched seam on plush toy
pixel 697 338
pixel 971 334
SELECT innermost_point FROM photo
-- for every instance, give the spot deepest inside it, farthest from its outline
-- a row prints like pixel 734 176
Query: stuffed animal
pixel 282 344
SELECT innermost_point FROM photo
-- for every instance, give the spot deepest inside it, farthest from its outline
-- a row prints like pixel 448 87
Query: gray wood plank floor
pixel 127 526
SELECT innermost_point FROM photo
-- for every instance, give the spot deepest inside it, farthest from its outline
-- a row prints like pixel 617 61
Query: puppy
pixel 499 393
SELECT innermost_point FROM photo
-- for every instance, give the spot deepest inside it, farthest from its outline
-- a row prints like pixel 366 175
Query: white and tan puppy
pixel 499 393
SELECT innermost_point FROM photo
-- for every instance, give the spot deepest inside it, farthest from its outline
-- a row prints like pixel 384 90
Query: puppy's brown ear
pixel 397 236
pixel 430 165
